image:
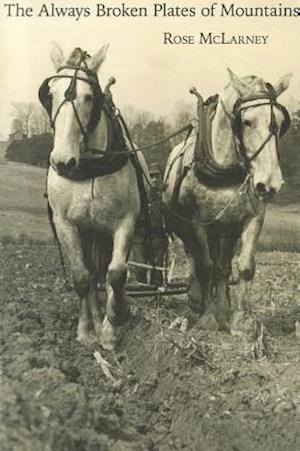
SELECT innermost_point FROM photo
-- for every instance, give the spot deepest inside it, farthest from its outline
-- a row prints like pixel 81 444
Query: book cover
pixel 170 384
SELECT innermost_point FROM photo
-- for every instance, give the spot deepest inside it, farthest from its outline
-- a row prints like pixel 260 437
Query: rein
pixel 70 96
pixel 188 127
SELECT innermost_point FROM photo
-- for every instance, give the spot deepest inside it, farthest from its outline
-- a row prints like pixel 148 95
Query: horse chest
pixel 228 205
pixel 92 205
pixel 91 213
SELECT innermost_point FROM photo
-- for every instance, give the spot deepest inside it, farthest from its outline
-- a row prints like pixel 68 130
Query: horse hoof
pixel 246 270
pixel 110 335
pixel 87 339
pixel 247 274
pixel 243 325
pixel 195 306
pixel 97 323
pixel 224 325
pixel 223 317
pixel 208 322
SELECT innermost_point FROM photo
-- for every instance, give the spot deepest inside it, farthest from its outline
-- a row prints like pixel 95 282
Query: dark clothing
pixel 156 216
pixel 140 255
pixel 141 250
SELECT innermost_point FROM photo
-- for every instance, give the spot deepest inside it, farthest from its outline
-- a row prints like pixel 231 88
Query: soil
pixel 170 386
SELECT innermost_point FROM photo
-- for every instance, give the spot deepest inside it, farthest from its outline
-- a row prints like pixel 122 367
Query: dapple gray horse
pixel 94 217
pixel 210 217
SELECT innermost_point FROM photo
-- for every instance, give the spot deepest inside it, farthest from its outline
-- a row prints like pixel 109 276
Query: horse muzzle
pixel 263 192
pixel 64 167
pixel 266 192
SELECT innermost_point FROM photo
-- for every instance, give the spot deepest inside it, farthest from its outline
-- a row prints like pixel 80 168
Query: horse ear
pixel 57 56
pixel 96 61
pixel 283 84
pixel 236 82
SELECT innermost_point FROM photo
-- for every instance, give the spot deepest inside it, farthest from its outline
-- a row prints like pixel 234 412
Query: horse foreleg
pixel 196 302
pixel 117 310
pixel 200 278
pixel 70 239
pixel 249 238
pixel 97 257
pixel 243 322
pixel 222 271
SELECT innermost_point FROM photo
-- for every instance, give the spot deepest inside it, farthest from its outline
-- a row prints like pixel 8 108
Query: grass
pixel 23 212
pixel 23 209
pixel 281 231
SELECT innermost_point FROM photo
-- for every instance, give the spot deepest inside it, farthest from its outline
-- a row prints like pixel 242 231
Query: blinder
pixel 237 126
pixel 45 96
pixel 286 120
pixel 71 91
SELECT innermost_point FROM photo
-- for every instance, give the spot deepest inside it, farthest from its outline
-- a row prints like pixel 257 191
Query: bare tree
pixel 22 117
pixel 184 112
pixel 134 116
pixel 40 121
pixel 17 125
pixel 30 119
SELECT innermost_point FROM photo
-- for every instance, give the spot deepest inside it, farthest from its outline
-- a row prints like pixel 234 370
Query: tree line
pixel 145 128
pixel 32 123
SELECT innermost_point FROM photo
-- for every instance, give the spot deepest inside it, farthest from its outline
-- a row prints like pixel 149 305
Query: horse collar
pixel 206 169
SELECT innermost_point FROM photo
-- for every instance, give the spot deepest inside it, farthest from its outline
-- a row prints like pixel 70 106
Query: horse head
pixel 74 100
pixel 257 122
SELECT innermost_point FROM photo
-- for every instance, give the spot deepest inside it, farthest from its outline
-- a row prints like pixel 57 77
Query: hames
pixel 50 10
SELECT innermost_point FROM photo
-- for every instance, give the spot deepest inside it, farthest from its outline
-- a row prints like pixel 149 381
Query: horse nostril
pixel 59 166
pixel 261 188
pixel 265 191
pixel 272 192
pixel 71 163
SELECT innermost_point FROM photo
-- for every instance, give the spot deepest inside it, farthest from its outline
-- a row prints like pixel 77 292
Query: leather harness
pixel 97 162
pixel 205 168
pixel 93 162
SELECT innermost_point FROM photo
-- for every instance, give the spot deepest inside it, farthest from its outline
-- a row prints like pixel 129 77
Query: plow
pixel 171 284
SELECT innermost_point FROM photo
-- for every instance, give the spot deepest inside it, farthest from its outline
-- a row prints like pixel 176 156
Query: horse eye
pixel 247 123
pixel 88 97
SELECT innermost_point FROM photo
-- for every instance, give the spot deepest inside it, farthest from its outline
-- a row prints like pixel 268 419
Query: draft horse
pixel 217 184
pixel 93 189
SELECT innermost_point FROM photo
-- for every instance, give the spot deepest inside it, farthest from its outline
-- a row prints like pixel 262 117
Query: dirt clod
pixel 171 386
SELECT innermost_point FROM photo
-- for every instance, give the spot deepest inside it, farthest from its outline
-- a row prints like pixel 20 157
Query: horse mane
pixel 255 86
pixel 75 58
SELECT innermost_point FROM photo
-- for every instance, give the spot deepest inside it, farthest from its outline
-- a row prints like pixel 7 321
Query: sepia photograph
pixel 150 225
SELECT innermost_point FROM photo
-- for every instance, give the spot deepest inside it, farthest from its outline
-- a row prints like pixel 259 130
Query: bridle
pixel 242 104
pixel 71 94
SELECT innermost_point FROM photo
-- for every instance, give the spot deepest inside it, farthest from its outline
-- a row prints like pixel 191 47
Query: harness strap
pixel 220 213
pixel 70 94
pixel 83 131
pixel 273 128
pixel 143 195
pixel 61 256
pixel 257 152
pixel 179 155
pixel 144 210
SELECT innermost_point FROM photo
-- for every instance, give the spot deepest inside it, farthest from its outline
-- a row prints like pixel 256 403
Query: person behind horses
pixel 150 242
